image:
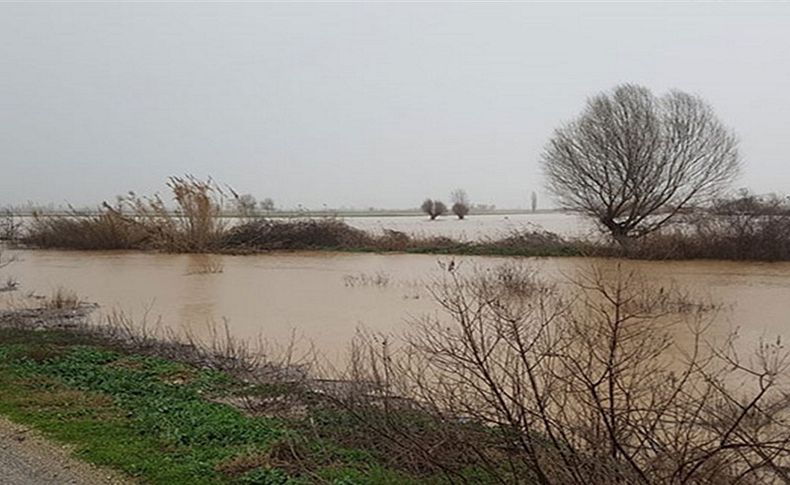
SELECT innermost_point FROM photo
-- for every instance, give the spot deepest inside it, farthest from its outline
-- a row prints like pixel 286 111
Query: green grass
pixel 155 420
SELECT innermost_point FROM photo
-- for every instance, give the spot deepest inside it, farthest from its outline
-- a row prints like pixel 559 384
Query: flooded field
pixel 477 227
pixel 324 298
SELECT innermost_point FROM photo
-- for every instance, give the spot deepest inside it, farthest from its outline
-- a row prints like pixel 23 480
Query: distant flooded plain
pixel 477 227
pixel 323 298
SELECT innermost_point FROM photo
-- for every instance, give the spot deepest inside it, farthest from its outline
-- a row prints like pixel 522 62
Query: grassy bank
pixel 166 421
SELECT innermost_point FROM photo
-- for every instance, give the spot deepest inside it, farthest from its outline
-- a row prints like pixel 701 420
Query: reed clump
pixel 194 224
pixel 63 299
pixel 105 231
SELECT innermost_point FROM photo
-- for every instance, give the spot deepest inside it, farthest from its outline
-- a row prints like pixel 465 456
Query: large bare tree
pixel 633 160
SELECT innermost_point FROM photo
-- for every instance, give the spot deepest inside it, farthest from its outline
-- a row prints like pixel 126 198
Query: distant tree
pixel 633 160
pixel 534 201
pixel 267 204
pixel 434 208
pixel 460 201
pixel 484 207
pixel 245 205
pixel 10 226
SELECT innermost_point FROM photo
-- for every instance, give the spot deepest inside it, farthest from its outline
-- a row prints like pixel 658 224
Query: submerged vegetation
pixel 606 380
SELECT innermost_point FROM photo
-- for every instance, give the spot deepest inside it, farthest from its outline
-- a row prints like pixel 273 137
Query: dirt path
pixel 26 458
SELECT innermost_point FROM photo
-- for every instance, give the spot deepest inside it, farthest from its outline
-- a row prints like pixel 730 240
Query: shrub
pixel 9 226
pixel 746 227
pixel 107 230
pixel 268 234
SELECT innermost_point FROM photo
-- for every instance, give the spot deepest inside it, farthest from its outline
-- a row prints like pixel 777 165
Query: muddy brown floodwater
pixel 324 297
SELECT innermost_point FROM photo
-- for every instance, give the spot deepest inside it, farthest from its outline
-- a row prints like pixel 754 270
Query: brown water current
pixel 324 297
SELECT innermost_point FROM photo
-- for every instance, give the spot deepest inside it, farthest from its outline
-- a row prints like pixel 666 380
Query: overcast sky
pixel 359 104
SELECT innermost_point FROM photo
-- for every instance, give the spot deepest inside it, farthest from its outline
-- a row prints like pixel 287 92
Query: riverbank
pixel 746 228
pixel 184 418
pixel 176 409
pixel 114 232
pixel 723 238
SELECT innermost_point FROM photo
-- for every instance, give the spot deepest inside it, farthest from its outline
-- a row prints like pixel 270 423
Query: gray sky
pixel 359 104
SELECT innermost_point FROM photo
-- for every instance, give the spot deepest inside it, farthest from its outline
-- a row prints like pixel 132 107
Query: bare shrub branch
pixel 608 379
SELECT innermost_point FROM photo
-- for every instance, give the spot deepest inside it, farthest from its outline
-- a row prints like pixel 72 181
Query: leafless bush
pixel 9 227
pixel 205 264
pixel 527 240
pixel 249 360
pixel 11 283
pixel 609 381
pixel 395 240
pixel 62 299
pixel 5 260
pixel 301 233
pixel 746 227
pixel 379 279
pixel 107 230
